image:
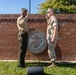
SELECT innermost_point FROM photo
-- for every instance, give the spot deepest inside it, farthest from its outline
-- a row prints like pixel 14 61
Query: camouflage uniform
pixel 52 21
pixel 23 39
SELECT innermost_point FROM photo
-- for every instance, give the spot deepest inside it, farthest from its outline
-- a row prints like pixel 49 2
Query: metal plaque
pixel 37 42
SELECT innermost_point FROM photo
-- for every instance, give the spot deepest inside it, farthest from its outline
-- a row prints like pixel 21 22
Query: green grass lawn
pixel 10 68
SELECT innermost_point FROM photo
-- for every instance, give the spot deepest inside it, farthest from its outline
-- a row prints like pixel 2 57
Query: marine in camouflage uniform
pixel 52 35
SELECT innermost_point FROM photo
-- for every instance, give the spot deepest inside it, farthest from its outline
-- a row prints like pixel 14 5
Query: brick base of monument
pixel 66 45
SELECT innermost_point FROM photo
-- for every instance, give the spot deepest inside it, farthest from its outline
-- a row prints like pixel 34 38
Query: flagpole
pixel 30 6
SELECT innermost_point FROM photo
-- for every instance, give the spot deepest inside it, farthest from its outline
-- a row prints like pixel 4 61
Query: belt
pixel 23 31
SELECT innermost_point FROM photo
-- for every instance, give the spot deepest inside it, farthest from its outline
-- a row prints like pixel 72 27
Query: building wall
pixel 66 45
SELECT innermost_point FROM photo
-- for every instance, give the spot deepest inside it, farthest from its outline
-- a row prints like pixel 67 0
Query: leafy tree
pixel 60 6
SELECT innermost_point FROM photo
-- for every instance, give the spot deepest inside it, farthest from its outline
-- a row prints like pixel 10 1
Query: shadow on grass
pixel 45 64
pixel 47 74
pixel 66 64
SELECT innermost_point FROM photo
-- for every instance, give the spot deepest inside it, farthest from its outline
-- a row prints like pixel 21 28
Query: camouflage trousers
pixel 51 50
pixel 23 40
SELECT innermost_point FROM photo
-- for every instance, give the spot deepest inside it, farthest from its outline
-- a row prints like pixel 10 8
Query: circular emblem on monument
pixel 37 42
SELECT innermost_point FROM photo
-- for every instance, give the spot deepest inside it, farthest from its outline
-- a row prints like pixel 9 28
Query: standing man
pixel 22 36
pixel 52 35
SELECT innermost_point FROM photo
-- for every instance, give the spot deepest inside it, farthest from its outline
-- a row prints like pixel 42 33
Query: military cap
pixel 50 9
pixel 23 9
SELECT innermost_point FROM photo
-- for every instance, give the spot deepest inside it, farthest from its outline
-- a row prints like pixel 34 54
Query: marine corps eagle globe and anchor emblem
pixel 37 41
